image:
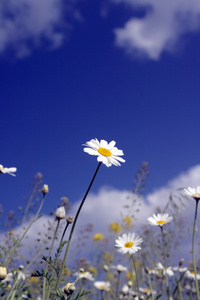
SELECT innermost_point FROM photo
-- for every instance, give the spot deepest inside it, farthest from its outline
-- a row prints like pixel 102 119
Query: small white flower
pixel 102 285
pixel 60 212
pixel 191 275
pixel 160 219
pixel 85 275
pixel 128 243
pixel 180 269
pixel 108 154
pixel 8 170
pixel 193 192
pixel 119 268
pixel 168 270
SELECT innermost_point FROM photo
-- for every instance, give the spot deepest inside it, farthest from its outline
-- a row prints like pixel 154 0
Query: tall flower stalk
pixel 7 260
pixel 160 220
pixel 165 264
pixel 195 194
pixel 193 254
pixel 107 154
pixel 136 276
pixel 73 227
pixel 50 251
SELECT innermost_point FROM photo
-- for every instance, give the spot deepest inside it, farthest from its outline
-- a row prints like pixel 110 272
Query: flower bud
pixel 69 288
pixel 106 268
pixel 45 189
pixel 3 273
pixel 70 219
pixel 60 213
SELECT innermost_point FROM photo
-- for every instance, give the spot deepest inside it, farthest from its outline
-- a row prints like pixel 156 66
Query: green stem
pixel 117 286
pixel 193 255
pixel 150 287
pixel 46 267
pixel 136 276
pixel 165 264
pixel 5 264
pixel 73 226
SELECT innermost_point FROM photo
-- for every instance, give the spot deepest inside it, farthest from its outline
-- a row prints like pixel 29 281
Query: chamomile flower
pixel 107 153
pixel 8 170
pixel 128 243
pixel 168 270
pixel 191 275
pixel 120 268
pixel 84 275
pixel 193 192
pixel 159 219
pixel 102 285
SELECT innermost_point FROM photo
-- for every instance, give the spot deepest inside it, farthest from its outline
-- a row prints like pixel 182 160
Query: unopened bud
pixel 70 219
pixel 60 212
pixel 69 288
pixel 106 268
pixel 130 284
pixel 181 262
pixel 81 270
pixel 45 189
pixel 146 270
pixel 3 273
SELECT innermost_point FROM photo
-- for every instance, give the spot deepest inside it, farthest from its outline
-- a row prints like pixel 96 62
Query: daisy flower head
pixel 106 152
pixel 8 170
pixel 84 275
pixel 128 243
pixel 193 192
pixel 102 285
pixel 160 219
pixel 168 270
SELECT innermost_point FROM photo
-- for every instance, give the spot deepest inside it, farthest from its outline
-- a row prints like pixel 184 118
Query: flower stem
pixel 117 286
pixel 73 226
pixel 165 264
pixel 46 268
pixel 25 232
pixel 194 263
pixel 136 275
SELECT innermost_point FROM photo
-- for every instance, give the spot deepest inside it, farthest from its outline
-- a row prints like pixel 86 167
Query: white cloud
pixel 161 28
pixel 27 24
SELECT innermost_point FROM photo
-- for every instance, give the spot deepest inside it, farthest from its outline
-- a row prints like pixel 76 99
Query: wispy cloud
pixel 161 28
pixel 28 24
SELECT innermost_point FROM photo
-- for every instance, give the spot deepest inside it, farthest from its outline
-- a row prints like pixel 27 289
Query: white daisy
pixel 160 219
pixel 84 275
pixel 128 243
pixel 168 270
pixel 191 275
pixel 195 193
pixel 108 154
pixel 120 268
pixel 102 285
pixel 8 170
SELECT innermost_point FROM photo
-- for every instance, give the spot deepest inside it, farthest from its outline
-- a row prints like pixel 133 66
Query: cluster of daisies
pixel 109 154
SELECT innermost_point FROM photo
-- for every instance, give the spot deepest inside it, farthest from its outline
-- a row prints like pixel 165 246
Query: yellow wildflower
pixel 128 221
pixel 98 237
pixel 115 227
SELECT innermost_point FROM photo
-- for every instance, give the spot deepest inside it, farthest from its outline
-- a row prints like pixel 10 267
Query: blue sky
pixel 114 70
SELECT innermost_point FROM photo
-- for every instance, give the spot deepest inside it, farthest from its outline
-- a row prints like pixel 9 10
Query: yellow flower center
pixel 104 152
pixel 128 244
pixel 196 195
pixel 102 287
pixel 160 222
